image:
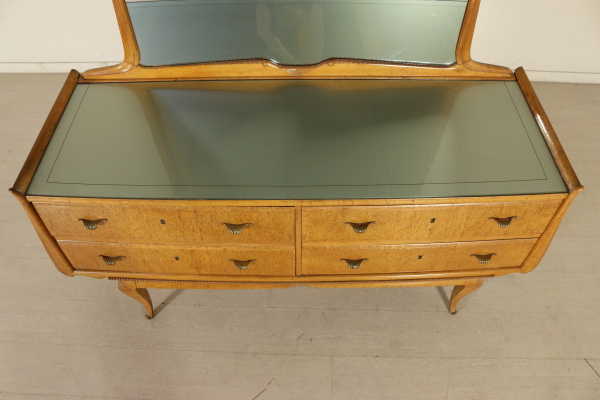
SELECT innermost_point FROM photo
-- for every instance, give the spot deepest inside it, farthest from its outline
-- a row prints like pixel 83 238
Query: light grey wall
pixel 556 40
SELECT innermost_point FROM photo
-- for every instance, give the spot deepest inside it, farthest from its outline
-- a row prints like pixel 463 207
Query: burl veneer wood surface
pixel 169 223
pixel 202 260
pixel 415 258
pixel 520 337
pixel 423 224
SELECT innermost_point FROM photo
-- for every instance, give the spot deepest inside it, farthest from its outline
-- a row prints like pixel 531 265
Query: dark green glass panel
pixel 297 140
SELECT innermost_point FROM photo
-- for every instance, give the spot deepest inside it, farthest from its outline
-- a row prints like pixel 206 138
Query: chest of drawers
pixel 198 244
pixel 258 174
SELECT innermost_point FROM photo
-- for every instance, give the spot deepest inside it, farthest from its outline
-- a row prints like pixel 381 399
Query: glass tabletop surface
pixel 297 139
pixel 297 32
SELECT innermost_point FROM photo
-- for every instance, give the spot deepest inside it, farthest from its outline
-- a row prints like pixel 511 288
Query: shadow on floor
pixel 167 301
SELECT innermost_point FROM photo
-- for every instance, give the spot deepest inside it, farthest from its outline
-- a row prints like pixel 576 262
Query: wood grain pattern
pixel 333 69
pixel 54 251
pixel 540 248
pixel 298 239
pixel 39 147
pixel 465 40
pixel 326 260
pixel 130 45
pixel 204 260
pixel 556 148
pixel 173 224
pixel 293 203
pixel 426 223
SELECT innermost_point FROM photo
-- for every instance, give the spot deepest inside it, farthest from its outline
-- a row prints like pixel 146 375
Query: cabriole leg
pixel 139 294
pixel 461 291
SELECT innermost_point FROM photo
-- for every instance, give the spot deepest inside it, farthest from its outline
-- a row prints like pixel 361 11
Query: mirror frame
pixel 130 70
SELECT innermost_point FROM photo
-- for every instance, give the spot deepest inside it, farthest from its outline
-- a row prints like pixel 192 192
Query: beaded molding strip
pixel 307 283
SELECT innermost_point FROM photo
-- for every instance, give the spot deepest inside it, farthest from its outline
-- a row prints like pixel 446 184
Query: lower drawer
pixel 329 260
pixel 202 260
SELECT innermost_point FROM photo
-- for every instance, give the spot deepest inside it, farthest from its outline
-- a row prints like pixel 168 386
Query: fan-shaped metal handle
pixel 354 264
pixel 484 258
pixel 503 222
pixel 108 260
pixel 92 224
pixel 359 227
pixel 235 229
pixel 242 265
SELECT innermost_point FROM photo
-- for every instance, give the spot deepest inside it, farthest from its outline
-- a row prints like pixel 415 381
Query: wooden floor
pixel 527 337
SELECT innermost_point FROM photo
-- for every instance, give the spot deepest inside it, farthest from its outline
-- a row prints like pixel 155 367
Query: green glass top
pixel 297 140
pixel 297 31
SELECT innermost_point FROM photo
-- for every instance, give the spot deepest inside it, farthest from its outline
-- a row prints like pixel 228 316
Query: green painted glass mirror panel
pixel 295 32
pixel 297 140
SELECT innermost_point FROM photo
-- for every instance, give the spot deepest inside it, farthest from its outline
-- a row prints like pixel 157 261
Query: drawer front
pixel 201 260
pixel 426 223
pixel 169 224
pixel 345 260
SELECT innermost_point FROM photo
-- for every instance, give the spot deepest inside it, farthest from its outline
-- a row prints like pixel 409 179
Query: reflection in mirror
pixel 293 32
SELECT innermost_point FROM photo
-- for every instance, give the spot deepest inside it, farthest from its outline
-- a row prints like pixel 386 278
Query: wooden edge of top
pixel 39 147
pixel 556 148
pixel 303 203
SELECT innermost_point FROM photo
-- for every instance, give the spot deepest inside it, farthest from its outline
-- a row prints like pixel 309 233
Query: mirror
pixel 297 32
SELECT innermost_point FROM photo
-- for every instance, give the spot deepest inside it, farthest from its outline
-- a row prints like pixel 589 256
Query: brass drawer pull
pixel 235 229
pixel 503 222
pixel 92 224
pixel 359 227
pixel 484 258
pixel 112 260
pixel 242 265
pixel 354 264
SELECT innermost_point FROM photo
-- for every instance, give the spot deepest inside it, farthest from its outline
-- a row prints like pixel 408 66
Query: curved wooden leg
pixel 461 291
pixel 139 294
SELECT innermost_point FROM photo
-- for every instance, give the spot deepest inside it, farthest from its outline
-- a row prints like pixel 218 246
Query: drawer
pixel 426 223
pixel 201 260
pixel 167 224
pixel 324 260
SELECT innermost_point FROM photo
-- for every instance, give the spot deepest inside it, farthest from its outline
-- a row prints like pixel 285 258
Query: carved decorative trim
pixel 330 62
pixel 224 62
pixel 307 283
pixel 303 69
pixel 299 70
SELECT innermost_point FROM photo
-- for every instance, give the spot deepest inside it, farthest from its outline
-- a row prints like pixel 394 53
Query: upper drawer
pixel 426 223
pixel 169 224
